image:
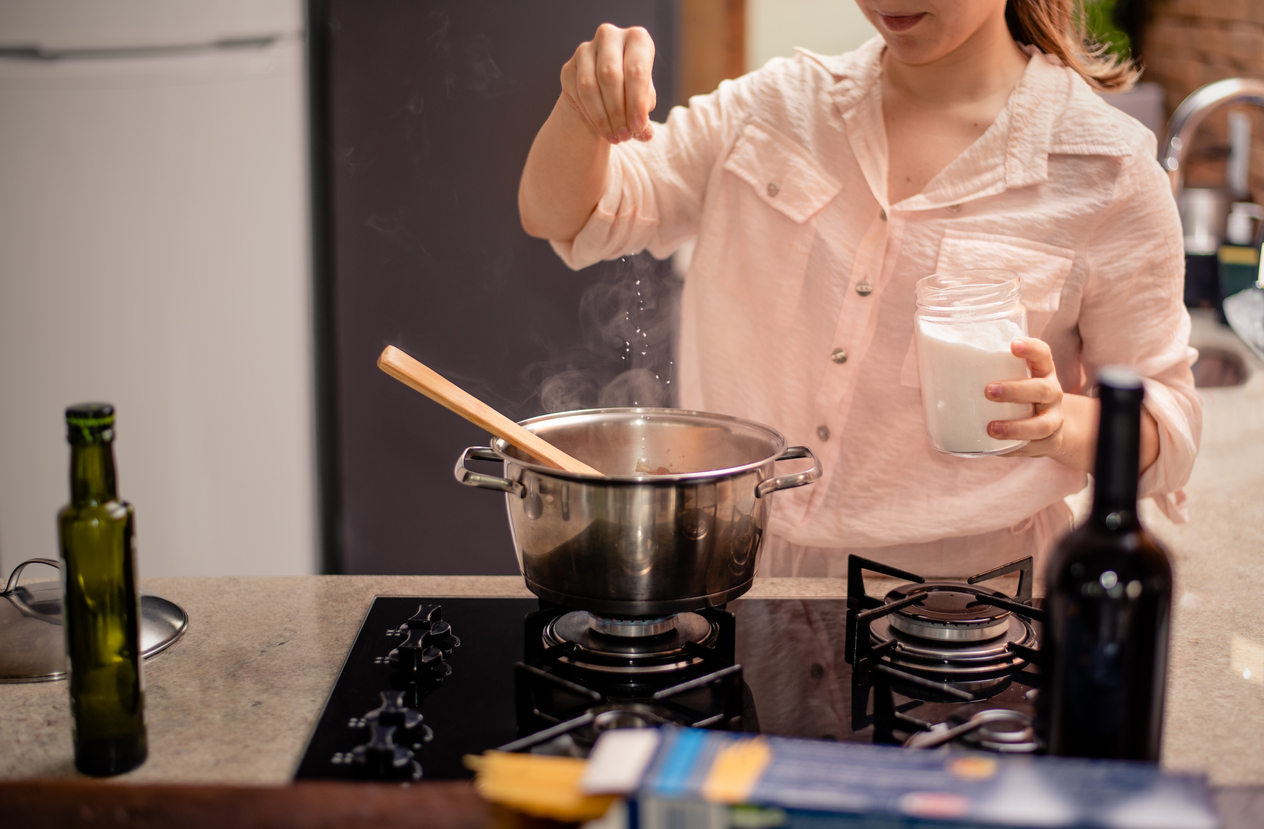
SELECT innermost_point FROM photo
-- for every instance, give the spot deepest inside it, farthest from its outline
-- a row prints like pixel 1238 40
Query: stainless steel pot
pixel 633 545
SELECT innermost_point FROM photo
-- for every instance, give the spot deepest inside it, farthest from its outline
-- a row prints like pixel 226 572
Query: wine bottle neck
pixel 92 478
pixel 1118 457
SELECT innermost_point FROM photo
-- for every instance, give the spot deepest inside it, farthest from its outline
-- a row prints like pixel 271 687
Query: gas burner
pixel 583 674
pixel 562 717
pixel 930 647
pixel 575 737
pixel 971 660
pixel 906 680
pixel 993 729
pixel 632 627
pixel 629 646
pixel 949 612
pixel 628 715
pixel 952 631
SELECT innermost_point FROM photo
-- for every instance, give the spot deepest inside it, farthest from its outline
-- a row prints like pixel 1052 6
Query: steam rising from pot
pixel 628 322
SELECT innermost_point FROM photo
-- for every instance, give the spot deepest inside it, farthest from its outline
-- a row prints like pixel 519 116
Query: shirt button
pixel 839 356
pixel 822 432
pixel 882 214
pixel 864 289
pixel 774 188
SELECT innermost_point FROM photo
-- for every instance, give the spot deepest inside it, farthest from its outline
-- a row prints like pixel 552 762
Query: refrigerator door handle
pixel 39 53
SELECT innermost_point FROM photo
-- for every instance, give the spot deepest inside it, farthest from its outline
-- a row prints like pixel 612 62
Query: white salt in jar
pixel 966 321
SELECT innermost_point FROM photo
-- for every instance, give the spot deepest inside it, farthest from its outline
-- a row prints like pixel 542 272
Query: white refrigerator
pixel 154 253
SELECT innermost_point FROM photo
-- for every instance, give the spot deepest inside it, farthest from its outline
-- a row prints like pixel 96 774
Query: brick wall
pixel 1189 43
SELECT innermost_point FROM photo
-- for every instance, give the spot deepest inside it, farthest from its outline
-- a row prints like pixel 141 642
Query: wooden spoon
pixel 425 380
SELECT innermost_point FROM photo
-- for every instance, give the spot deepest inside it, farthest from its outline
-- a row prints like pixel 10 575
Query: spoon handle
pixel 425 380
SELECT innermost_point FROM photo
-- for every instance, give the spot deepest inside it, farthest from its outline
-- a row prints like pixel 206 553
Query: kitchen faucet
pixel 1191 114
pixel 1201 103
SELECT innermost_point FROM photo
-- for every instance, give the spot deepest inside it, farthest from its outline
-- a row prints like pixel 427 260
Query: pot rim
pixel 498 446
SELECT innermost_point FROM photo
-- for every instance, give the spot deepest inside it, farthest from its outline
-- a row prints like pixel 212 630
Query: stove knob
pixel 416 655
pixel 433 661
pixel 380 757
pixel 406 721
pixel 426 615
pixel 407 656
pixel 440 636
pixel 393 712
pixel 429 620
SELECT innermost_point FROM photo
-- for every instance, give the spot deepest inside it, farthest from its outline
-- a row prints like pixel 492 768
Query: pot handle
pixel 478 479
pixel 790 481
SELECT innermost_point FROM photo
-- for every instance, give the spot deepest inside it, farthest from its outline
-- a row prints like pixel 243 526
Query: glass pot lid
pixel 32 643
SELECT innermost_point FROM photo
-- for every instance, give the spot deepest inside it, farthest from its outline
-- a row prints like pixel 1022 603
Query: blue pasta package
pixel 718 780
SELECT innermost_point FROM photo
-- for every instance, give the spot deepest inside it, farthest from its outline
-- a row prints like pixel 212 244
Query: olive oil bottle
pixel 101 608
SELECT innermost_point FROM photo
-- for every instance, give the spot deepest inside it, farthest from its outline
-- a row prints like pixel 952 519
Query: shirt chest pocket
pixel 1042 271
pixel 765 220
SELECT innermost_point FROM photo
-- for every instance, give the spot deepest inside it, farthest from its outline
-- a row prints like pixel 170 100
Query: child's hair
pixel 1056 27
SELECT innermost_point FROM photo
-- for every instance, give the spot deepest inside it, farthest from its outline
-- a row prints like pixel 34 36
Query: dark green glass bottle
pixel 1109 605
pixel 100 604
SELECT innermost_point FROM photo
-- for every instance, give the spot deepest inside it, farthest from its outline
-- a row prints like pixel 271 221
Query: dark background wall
pixel 423 114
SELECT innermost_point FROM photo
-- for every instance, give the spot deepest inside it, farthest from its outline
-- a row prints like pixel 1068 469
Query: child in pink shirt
pixel 820 189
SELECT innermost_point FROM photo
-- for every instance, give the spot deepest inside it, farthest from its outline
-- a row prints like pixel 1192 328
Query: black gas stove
pixel 429 680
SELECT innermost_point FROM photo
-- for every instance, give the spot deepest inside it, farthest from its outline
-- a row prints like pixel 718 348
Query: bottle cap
pixel 89 423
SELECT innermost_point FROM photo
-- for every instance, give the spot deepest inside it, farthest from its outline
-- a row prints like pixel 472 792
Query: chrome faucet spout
pixel 1201 103
pixel 1193 111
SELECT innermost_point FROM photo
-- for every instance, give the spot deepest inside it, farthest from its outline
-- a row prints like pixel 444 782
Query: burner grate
pixel 937 642
pixel 576 682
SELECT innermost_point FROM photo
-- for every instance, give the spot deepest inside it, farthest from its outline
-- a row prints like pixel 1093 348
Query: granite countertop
pixel 234 701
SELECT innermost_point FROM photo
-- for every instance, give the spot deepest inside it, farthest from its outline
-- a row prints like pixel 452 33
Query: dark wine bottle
pixel 101 608
pixel 1109 605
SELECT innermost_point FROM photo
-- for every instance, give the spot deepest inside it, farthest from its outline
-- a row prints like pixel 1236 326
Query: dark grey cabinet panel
pixel 423 113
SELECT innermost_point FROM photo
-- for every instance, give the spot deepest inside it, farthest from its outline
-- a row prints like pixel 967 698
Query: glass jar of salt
pixel 966 321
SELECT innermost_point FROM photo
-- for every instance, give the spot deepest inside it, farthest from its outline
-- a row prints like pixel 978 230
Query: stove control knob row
pixel 381 758
pixel 406 721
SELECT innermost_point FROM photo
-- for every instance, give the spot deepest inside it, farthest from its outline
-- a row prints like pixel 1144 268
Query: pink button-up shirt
pixel 798 305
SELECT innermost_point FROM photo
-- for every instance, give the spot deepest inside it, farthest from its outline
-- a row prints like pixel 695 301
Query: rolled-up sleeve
pixel 655 189
pixel 1134 314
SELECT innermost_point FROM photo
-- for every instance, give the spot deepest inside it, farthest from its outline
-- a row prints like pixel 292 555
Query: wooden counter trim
pixel 56 804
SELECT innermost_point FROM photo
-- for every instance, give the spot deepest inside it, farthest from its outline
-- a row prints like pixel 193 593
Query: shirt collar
pixel 1013 152
pixel 854 72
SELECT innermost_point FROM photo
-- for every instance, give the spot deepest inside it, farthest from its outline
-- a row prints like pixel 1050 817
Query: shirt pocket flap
pixel 1042 269
pixel 781 172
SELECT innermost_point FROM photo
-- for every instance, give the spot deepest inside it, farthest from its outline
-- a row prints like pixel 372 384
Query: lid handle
pixel 17 571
